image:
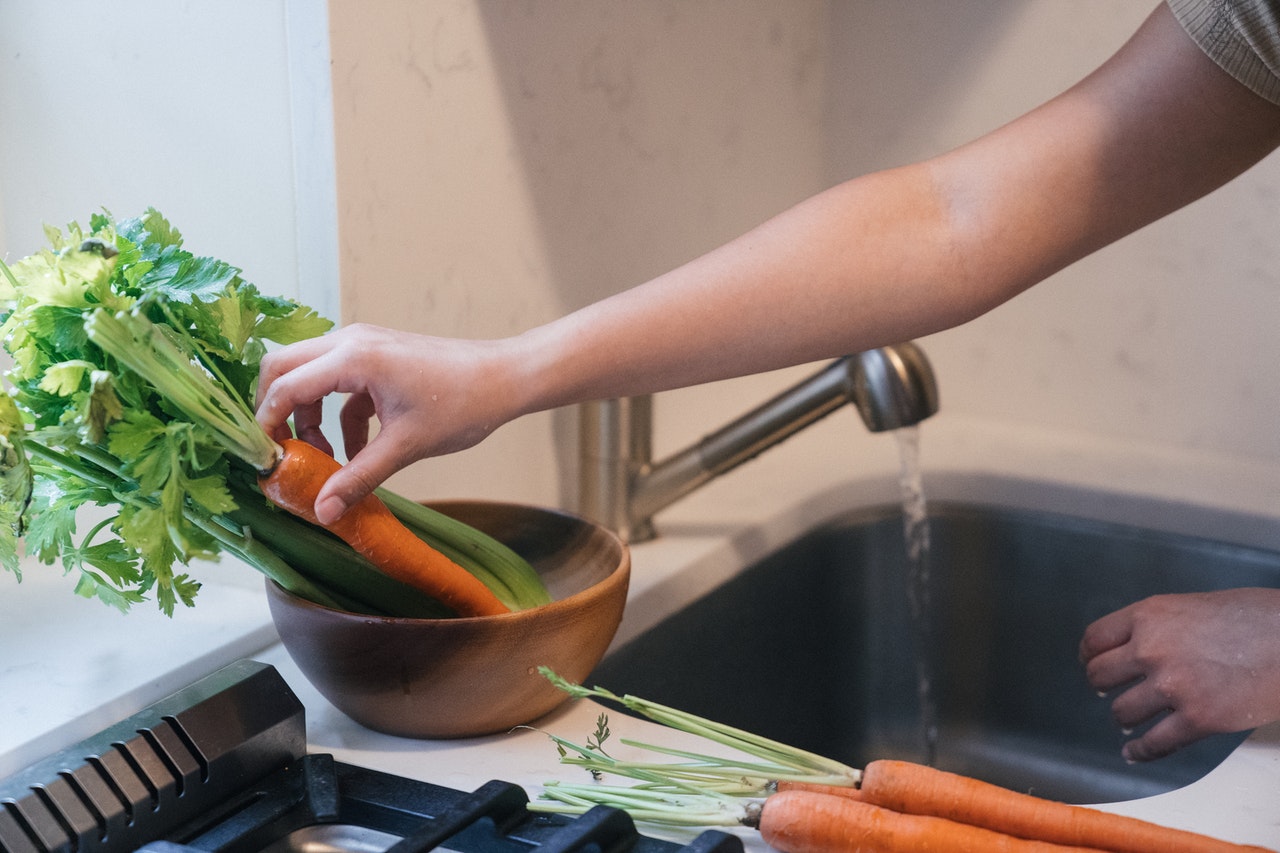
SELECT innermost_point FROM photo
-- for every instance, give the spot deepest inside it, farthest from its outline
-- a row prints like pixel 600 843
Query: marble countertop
pixel 72 666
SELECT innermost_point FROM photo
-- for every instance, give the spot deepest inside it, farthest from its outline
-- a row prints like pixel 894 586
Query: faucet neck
pixel 621 486
pixel 615 448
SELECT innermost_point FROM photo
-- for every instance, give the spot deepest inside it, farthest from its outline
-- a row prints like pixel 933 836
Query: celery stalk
pixel 137 343
pixel 328 559
pixel 781 761
pixel 501 568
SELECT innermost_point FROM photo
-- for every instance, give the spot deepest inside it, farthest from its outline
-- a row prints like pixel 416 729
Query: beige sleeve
pixel 1241 36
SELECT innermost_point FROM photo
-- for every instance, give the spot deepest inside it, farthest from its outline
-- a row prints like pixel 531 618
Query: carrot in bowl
pixel 372 530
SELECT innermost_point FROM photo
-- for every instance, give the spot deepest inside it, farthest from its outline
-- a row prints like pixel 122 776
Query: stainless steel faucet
pixel 621 486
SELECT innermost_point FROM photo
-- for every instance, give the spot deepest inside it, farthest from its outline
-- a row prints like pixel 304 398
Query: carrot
pixel 850 792
pixel 808 822
pixel 920 790
pixel 373 531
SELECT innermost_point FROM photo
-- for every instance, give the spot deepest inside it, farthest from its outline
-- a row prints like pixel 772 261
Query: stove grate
pixel 367 811
pixel 221 767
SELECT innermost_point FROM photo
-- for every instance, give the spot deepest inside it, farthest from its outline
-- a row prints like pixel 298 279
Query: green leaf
pixel 144 528
pixel 89 421
pixel 51 518
pixel 114 560
pixel 65 377
pixel 90 585
pixel 134 435
pixel 211 492
pixel 299 325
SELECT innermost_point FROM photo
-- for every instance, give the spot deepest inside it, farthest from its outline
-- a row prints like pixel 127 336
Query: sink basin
pixel 814 645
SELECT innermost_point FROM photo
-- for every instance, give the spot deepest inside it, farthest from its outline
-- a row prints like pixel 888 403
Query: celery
pixel 330 561
pixel 643 804
pixel 700 789
pixel 778 761
pixel 509 575
pixel 177 376
pixel 133 364
pixel 97 469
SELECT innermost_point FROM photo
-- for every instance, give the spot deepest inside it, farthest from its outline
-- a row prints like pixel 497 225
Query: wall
pixel 188 107
pixel 501 163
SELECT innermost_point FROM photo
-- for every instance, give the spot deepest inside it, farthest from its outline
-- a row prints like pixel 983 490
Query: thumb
pixel 356 480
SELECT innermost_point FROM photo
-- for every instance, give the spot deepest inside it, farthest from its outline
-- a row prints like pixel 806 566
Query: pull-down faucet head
pixel 894 387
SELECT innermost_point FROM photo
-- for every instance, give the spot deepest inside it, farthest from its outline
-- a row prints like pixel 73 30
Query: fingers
pixel 277 393
pixel 1104 649
pixel 304 385
pixel 1164 738
pixel 1110 632
pixel 306 423
pixel 294 382
pixel 1140 704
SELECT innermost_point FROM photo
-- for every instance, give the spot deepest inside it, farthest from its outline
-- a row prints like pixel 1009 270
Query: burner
pixel 335 838
pixel 221 767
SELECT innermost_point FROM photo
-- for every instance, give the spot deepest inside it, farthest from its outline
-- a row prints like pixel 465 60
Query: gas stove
pixel 222 767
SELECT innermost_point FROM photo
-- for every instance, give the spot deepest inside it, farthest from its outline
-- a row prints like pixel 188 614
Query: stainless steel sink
pixel 814 645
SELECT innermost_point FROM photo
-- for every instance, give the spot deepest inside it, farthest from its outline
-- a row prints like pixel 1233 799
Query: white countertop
pixel 71 667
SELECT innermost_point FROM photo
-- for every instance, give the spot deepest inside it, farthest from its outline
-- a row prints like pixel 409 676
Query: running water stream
pixel 916 536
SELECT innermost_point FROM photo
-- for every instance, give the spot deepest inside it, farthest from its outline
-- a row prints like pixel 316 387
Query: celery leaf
pixel 91 421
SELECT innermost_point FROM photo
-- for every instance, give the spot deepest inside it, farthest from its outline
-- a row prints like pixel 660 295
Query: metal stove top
pixel 222 767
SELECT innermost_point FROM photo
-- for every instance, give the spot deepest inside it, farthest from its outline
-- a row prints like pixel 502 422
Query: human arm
pixel 882 258
pixel 1208 662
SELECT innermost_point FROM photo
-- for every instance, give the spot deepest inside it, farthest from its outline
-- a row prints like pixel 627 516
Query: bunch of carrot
pixel 805 803
pixel 901 806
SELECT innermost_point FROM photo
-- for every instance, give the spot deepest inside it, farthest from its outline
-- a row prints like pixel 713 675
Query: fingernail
pixel 330 509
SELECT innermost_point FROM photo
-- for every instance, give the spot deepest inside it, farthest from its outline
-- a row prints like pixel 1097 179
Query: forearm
pixel 841 272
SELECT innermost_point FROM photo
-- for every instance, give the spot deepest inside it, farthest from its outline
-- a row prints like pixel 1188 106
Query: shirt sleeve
pixel 1241 36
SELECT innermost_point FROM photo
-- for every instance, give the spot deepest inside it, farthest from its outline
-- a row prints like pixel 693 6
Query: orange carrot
pixel 372 530
pixel 808 822
pixel 920 790
pixel 847 791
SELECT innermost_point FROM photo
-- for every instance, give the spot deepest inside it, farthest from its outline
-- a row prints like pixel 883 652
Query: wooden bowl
pixel 447 678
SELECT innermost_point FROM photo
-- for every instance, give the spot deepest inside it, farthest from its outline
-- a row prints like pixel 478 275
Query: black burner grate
pixel 221 767
pixel 355 808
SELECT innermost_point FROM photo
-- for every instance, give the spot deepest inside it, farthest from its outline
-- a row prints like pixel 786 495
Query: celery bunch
pixel 134 362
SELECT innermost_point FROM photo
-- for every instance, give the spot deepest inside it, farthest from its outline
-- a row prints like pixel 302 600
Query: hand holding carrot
pixel 430 396
pixel 1207 661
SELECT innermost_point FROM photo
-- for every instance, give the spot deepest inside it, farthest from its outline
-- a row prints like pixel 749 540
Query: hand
pixel 430 396
pixel 1209 662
